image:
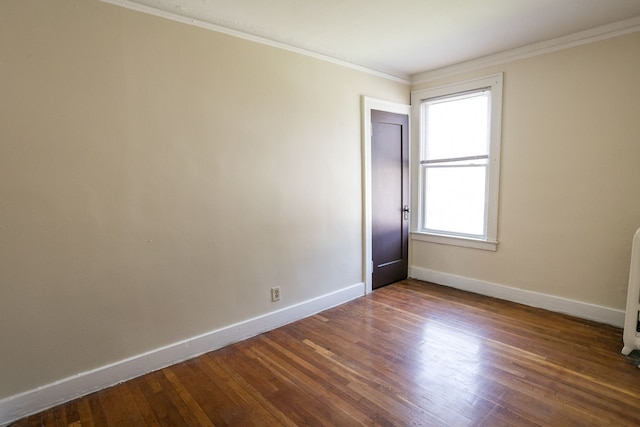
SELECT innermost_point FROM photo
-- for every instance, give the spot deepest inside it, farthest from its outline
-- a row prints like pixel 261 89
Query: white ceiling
pixel 404 37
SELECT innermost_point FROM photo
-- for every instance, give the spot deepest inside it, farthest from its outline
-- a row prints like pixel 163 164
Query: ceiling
pixel 404 37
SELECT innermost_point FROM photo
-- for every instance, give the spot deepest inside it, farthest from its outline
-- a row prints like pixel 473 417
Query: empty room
pixel 319 213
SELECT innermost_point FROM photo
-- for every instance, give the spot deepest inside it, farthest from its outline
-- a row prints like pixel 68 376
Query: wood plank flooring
pixel 410 354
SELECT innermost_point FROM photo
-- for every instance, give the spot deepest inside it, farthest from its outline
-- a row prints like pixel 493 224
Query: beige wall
pixel 157 179
pixel 570 176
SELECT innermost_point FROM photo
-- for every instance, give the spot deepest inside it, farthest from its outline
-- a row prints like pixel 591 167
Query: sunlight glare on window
pixel 455 159
pixel 456 199
pixel 457 127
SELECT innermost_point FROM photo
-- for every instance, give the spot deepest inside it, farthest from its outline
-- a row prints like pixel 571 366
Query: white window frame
pixel 490 240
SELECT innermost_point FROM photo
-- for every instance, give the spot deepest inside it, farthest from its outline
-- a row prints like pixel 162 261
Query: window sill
pixel 455 241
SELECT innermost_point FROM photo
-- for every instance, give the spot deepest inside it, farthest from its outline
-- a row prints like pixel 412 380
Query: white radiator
pixel 631 335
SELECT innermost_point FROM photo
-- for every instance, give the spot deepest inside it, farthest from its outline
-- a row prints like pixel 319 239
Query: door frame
pixel 369 104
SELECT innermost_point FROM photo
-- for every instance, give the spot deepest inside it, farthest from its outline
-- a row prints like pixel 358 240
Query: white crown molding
pixel 253 38
pixel 584 37
pixel 583 310
pixel 30 402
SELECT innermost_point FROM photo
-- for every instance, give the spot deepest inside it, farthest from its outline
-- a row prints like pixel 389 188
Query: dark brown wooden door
pixel 390 197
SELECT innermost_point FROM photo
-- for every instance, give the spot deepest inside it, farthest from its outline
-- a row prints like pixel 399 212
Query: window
pixel 458 162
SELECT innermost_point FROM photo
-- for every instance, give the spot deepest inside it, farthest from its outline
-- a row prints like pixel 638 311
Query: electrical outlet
pixel 275 294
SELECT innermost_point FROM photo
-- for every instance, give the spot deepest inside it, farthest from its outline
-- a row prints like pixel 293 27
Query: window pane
pixel 456 126
pixel 455 199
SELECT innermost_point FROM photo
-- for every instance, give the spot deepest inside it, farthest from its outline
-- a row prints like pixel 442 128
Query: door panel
pixel 390 185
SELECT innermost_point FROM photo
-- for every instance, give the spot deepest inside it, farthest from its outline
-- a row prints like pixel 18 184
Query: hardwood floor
pixel 410 354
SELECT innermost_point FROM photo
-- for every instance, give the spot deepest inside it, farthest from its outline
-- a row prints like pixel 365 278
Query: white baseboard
pixel 47 396
pixel 583 310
